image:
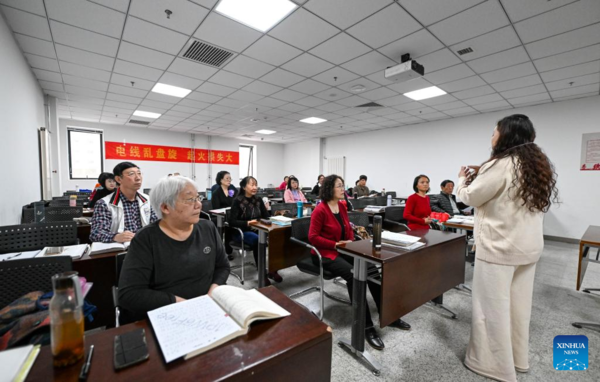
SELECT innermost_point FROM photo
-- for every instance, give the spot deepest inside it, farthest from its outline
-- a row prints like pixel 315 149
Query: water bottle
pixel 73 201
pixel 77 188
pixel 389 200
pixel 208 194
pixel 383 192
pixel 299 207
pixel 66 319
pixel 377 228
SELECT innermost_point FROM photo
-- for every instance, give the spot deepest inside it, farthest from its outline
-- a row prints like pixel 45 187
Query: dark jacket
pixel 220 200
pixel 244 209
pixel 441 203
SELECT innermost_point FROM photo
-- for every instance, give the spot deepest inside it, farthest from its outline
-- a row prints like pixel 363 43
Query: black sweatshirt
pixel 244 209
pixel 158 268
pixel 220 200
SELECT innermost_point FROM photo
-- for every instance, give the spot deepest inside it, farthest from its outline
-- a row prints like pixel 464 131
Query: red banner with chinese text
pixel 142 152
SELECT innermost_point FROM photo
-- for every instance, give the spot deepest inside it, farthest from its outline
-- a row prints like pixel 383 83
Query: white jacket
pixel 506 232
pixel 115 205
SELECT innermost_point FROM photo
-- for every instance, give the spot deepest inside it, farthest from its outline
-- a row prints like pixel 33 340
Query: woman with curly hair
pixel 512 191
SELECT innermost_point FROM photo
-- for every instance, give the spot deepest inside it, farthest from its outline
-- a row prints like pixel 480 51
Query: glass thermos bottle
pixel 377 228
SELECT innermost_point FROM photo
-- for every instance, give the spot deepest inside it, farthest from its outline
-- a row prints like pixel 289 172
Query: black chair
pixel 262 195
pixel 78 193
pixel 19 277
pixel 115 289
pixel 393 193
pixel 31 237
pixel 66 202
pixel 380 200
pixel 241 247
pixel 291 207
pixel 300 229
pixel 147 191
pixel 306 189
pixel 362 203
pixel 394 219
pixel 207 206
pixel 52 214
pixel 278 194
pixel 359 218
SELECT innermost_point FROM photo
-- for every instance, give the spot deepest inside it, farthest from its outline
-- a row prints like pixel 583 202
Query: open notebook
pixel 189 328
pixel 17 362
pixel 99 248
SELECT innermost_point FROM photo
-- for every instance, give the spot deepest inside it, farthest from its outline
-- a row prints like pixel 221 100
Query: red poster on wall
pixel 143 152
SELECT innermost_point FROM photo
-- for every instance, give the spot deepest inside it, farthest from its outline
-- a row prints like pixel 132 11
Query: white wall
pixel 21 115
pixel 269 155
pixel 391 158
pixel 302 159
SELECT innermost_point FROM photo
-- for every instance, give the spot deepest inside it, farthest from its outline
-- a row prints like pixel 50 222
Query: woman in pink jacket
pixel 293 193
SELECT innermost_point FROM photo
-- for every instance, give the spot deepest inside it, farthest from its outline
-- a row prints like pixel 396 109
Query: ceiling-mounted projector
pixel 406 71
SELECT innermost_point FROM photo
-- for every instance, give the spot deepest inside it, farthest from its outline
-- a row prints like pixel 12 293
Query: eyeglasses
pixel 198 198
pixel 339 186
pixel 131 174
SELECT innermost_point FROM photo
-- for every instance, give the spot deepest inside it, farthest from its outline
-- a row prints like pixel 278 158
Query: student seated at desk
pixel 118 216
pixel 245 209
pixel 446 202
pixel 361 188
pixel 293 193
pixel 418 207
pixel 317 188
pixel 329 226
pixel 222 197
pixel 107 183
pixel 283 184
pixel 176 258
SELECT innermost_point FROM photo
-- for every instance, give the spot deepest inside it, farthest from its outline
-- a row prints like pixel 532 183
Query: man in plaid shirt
pixel 118 216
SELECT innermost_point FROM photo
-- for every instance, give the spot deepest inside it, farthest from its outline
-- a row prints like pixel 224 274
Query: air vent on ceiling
pixel 370 104
pixel 207 54
pixel 464 51
pixel 138 122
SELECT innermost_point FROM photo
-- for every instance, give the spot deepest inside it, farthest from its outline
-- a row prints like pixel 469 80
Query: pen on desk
pixel 85 369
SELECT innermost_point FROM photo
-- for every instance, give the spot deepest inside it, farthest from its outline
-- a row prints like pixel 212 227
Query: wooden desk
pixel 460 226
pixel 409 279
pixel 101 270
pixel 590 239
pixel 294 348
pixel 282 252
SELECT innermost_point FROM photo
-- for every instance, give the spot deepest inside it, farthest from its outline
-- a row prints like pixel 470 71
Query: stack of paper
pixel 17 362
pixel 281 220
pixel 398 239
pixel 18 255
pixel 460 219
pixel 98 248
pixel 374 209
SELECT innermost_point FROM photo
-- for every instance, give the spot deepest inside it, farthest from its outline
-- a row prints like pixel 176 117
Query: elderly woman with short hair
pixel 178 257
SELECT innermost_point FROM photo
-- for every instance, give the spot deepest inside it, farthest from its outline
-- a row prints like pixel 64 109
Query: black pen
pixel 85 369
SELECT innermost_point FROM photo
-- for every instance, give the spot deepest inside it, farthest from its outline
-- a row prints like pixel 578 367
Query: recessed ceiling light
pixel 357 88
pixel 266 132
pixel 420 94
pixel 313 120
pixel 147 114
pixel 257 14
pixel 174 91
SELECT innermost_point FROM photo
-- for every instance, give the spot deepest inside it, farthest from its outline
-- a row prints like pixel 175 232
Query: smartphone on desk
pixel 130 348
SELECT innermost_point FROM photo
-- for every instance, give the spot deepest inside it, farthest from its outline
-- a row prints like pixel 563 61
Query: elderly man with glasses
pixel 118 216
pixel 176 258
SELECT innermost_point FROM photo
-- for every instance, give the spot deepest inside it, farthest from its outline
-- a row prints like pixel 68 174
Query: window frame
pixel 89 131
pixel 252 161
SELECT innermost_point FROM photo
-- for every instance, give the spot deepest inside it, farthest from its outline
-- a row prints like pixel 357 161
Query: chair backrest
pixel 66 202
pixel 359 218
pixel 79 194
pixel 292 207
pixel 381 200
pixel 393 193
pixel 52 214
pixel 262 195
pixel 395 214
pixel 306 189
pixel 19 277
pixel 278 194
pixel 362 203
pixel 147 191
pixel 30 237
pixel 300 228
pixel 119 264
pixel 206 205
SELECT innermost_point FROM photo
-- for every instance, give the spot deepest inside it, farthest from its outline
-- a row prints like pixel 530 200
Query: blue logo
pixel 570 353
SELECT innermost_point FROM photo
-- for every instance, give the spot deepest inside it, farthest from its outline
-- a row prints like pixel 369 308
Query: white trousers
pixel 499 341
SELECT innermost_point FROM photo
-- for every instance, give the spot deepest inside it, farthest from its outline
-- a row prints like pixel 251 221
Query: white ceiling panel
pixel 262 88
pixel 500 60
pixel 571 71
pixel 530 99
pixel 52 86
pixel 85 91
pixel 272 51
pixel 416 44
pixel 36 46
pixel 307 65
pixel 516 71
pixel 335 76
pixel 205 97
pixel 119 5
pixel 215 89
pixel 489 43
pixel 431 11
pixel 40 62
pixel 248 67
pixel 578 56
pixel 565 42
pixel 309 87
pixel 123 98
pixel 282 77
pixel 572 91
pixel 440 59
pixel 517 83
pixel 475 21
pixel 127 90
pixel 180 81
pixel 570 82
pixel 461 111
pixel 185 16
pixel 83 39
pixel 340 49
pixel 572 16
pixel 87 15
pixel 27 23
pixel 449 74
pixel 483 99
pixel 226 33
pixel 84 82
pixel 303 30
pixel 32 6
pixel 522 92
pixel 78 56
pixel 288 95
pixel 496 105
pixel 144 56
pixel 84 71
pixel 153 36
pixel 379 93
pixel 369 63
pixel 446 107
pixel 192 69
pixel 47 75
pixel 385 26
pixel 230 79
pixel 333 94
pixel 344 13
pixel 462 84
pixel 519 10
pixel 136 70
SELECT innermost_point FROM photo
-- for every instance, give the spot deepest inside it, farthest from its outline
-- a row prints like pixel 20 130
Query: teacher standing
pixel 512 191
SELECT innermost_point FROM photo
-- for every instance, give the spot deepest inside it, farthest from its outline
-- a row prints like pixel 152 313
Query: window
pixel 247 161
pixel 85 154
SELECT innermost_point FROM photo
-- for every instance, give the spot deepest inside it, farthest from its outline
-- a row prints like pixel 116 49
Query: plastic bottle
pixel 389 200
pixel 299 207
pixel 73 201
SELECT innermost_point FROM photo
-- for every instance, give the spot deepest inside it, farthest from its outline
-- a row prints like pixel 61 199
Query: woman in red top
pixel 329 226
pixel 417 208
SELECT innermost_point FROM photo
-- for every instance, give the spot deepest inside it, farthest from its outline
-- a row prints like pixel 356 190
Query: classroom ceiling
pixel 101 58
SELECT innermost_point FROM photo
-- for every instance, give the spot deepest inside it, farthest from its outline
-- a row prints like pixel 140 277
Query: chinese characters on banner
pixel 590 152
pixel 142 152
